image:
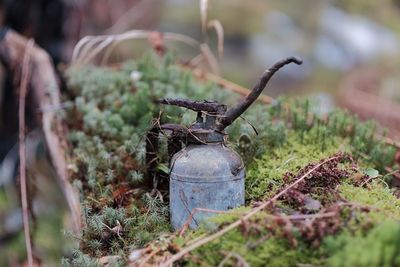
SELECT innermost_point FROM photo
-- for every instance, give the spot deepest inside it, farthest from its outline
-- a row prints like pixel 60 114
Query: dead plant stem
pixel 238 222
pixel 23 90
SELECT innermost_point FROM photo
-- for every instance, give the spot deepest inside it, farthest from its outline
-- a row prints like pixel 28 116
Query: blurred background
pixel 351 53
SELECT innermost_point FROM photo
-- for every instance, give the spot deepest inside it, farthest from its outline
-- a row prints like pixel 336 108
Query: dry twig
pixel 193 212
pixel 216 24
pixel 240 261
pixel 23 90
pixel 238 222
pixel 229 85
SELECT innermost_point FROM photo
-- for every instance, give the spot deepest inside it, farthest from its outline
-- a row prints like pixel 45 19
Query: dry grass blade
pixel 194 62
pixel 229 85
pixel 240 261
pixel 90 46
pixel 81 44
pixel 216 24
pixel 203 15
pixel 238 222
pixel 23 90
pixel 97 49
pixel 193 213
pixel 225 260
pixel 210 58
pixel 131 17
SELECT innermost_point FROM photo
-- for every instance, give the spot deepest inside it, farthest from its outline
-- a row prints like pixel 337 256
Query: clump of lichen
pixel 112 109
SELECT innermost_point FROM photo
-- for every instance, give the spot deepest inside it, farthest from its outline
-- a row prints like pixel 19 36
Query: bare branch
pixel 233 113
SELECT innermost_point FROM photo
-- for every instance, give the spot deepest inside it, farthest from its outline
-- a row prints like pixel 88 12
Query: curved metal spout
pixel 233 113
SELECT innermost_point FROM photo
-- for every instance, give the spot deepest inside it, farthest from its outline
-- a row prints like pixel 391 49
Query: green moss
pixel 275 252
pixel 378 196
pixel 378 248
pixel 265 175
pixel 112 112
pixel 272 251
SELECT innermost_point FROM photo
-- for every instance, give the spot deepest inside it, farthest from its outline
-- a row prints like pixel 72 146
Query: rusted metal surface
pixel 205 176
pixel 199 106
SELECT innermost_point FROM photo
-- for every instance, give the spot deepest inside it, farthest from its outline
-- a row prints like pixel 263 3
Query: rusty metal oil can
pixel 215 182
pixel 205 175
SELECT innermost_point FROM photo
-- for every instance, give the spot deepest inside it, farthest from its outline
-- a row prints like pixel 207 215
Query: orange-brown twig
pixel 23 90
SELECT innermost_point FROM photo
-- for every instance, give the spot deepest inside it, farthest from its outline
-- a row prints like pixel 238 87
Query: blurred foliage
pixel 378 248
pixel 385 11
pixel 49 244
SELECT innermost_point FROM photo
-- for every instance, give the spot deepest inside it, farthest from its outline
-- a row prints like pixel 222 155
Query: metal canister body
pixel 204 176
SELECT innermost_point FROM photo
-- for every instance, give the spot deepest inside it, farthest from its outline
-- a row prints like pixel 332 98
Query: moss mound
pixel 111 111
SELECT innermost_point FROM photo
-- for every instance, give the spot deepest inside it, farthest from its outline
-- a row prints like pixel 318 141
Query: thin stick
pixel 148 257
pixel 25 77
pixel 238 222
pixel 197 210
pixel 240 261
pixel 234 112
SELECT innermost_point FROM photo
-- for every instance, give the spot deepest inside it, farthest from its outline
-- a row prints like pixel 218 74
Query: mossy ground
pixel 112 109
pixel 379 227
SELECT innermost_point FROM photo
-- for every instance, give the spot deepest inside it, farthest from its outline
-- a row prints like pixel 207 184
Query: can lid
pixel 205 136
pixel 206 163
pixel 206 179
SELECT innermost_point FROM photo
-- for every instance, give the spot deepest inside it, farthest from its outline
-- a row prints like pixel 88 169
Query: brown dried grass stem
pixel 197 210
pixel 238 222
pixel 23 90
pixel 228 85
